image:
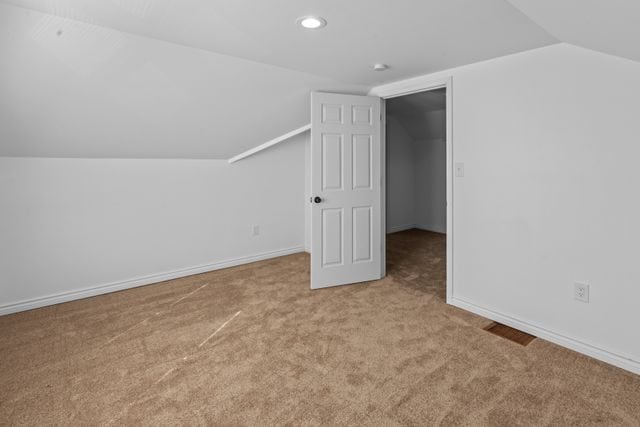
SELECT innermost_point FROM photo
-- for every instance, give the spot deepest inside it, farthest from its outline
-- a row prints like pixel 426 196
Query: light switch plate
pixel 459 170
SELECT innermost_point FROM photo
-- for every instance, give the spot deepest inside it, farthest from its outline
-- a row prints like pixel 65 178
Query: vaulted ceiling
pixel 608 26
pixel 422 114
pixel 70 89
pixel 212 78
pixel 412 36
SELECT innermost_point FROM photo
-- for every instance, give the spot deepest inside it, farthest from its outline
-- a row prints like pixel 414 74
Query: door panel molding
pixel 346 168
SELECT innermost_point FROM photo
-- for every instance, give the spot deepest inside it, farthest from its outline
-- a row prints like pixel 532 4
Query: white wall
pixel 416 177
pixel 433 125
pixel 549 139
pixel 430 191
pixel 400 177
pixel 71 89
pixel 68 225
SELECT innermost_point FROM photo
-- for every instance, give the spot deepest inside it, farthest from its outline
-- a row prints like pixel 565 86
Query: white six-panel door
pixel 346 196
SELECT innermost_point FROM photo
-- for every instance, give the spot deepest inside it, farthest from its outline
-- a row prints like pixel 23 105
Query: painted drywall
pixel 416 174
pixel 434 126
pixel 549 142
pixel 614 30
pixel 400 177
pixel 70 225
pixel 430 190
pixel 71 89
pixel 420 124
pixel 457 33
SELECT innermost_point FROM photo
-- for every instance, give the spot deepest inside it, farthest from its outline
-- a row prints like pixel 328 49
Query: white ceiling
pixel 421 114
pixel 609 26
pixel 413 36
pixel 212 78
pixel 97 92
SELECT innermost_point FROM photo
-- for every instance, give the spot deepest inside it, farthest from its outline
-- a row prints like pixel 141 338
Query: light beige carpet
pixel 252 345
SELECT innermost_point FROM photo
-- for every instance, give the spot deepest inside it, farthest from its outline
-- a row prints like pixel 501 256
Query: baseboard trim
pixel 141 281
pixel 398 228
pixel 561 340
pixel 425 227
pixel 432 228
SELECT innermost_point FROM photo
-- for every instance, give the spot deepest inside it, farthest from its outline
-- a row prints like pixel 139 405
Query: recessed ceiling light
pixel 311 22
pixel 380 67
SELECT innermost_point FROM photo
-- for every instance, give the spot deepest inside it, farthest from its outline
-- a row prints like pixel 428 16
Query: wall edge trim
pixel 398 228
pixel 432 227
pixel 135 282
pixel 598 353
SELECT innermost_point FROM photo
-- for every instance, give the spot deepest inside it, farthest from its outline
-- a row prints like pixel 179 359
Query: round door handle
pixel 317 199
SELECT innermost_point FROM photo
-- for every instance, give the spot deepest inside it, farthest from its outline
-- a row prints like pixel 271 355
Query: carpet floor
pixel 252 345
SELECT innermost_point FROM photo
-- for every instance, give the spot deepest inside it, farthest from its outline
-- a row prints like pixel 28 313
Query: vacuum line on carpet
pixel 156 314
pixel 165 375
pixel 127 330
pixel 219 329
pixel 189 294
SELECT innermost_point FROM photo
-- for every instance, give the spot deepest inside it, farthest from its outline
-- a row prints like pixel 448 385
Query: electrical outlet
pixel 256 230
pixel 581 292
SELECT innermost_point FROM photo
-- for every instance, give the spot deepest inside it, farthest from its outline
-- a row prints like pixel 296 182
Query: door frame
pixel 402 88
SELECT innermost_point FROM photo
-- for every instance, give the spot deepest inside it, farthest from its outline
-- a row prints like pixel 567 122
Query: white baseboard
pixel 433 228
pixel 140 281
pixel 397 228
pixel 561 340
pixel 425 227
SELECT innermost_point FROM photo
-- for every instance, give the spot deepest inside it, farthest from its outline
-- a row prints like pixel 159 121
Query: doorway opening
pixel 416 158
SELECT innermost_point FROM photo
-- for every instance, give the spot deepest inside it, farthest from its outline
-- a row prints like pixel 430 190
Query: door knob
pixel 317 199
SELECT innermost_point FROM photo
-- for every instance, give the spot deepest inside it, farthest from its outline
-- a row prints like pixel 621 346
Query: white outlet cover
pixel 459 168
pixel 581 292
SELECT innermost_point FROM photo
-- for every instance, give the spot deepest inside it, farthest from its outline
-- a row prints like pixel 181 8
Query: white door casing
pixel 346 222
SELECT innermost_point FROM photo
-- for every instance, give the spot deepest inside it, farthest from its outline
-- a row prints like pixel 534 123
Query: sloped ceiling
pixel 70 89
pixel 212 78
pixel 422 115
pixel 412 36
pixel 608 26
